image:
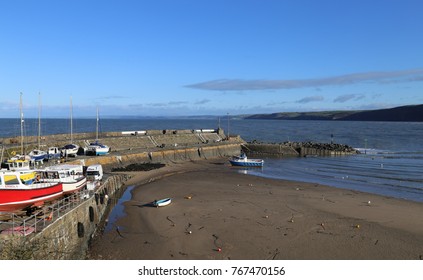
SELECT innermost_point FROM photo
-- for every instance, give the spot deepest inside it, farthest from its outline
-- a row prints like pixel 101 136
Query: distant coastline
pixel 409 113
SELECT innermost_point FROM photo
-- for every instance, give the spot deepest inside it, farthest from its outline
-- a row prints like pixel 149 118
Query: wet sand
pixel 218 213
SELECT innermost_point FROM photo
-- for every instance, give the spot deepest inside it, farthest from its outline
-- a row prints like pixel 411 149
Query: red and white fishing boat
pixel 16 195
pixel 71 176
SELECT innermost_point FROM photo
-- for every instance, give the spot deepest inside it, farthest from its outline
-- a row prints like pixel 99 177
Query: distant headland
pixel 409 113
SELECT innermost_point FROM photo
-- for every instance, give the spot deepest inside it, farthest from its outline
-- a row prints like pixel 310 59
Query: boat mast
pixel 22 124
pixel 228 126
pixel 96 129
pixel 39 121
pixel 71 121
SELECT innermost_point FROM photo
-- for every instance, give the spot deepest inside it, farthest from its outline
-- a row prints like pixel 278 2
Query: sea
pixel 390 162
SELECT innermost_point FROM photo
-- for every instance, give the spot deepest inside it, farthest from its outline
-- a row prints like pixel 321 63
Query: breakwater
pixel 223 150
pixel 298 149
pixel 122 141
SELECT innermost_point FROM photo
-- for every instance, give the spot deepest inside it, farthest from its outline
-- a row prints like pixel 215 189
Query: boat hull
pixel 38 156
pixel 248 163
pixel 18 199
pixel 102 151
pixel 162 202
pixel 70 150
pixel 98 150
pixel 71 187
pixel 53 156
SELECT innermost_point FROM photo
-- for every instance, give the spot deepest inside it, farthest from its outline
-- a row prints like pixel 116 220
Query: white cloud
pixel 376 77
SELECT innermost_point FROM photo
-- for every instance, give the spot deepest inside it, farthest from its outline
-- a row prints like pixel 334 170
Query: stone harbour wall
pixel 164 155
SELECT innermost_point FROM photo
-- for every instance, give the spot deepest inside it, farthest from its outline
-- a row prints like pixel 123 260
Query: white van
pixel 95 172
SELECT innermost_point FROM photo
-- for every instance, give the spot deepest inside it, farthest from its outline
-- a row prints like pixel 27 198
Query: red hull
pixel 18 199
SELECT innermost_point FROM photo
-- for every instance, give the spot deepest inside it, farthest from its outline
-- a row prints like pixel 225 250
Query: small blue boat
pixel 38 155
pixel 246 162
pixel 162 202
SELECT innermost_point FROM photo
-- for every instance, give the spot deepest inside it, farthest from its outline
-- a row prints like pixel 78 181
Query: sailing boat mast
pixel 71 120
pixel 39 121
pixel 96 129
pixel 22 124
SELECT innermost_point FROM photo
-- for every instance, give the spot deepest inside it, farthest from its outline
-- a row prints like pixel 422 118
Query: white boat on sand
pixel 162 202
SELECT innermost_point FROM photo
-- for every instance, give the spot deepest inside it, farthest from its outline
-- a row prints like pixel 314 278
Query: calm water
pixel 392 164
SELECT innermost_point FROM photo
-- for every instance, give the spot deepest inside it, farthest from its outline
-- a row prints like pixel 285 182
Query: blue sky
pixel 194 57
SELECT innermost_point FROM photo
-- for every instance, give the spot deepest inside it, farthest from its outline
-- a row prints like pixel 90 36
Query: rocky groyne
pixel 297 149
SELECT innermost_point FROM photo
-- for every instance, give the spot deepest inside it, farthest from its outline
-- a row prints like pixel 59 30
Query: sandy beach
pixel 220 213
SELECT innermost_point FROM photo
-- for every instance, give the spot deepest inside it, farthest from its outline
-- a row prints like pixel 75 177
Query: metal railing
pixel 18 224
pixel 24 224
